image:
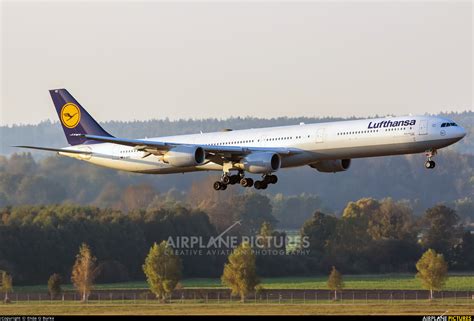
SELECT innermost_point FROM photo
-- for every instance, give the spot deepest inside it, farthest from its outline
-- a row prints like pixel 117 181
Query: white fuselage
pixel 316 142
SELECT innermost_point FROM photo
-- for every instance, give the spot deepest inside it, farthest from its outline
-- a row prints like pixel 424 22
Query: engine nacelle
pixel 332 166
pixel 261 162
pixel 183 156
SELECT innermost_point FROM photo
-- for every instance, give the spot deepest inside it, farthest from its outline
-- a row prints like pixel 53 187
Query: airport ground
pixel 236 308
pixel 455 282
pixel 364 294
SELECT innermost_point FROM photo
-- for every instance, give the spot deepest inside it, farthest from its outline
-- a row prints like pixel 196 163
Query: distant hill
pixel 50 133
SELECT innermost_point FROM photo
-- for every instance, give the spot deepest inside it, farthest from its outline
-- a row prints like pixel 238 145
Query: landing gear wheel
pixel 246 182
pixel 218 185
pixel 272 179
pixel 249 182
pixel 226 179
pixel 430 164
pixel 234 179
pixel 223 187
pixel 260 185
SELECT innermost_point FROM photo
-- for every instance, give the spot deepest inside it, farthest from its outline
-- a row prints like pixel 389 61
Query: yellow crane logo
pixel 70 115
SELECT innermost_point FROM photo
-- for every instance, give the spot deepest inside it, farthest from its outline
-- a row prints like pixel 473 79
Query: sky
pixel 133 60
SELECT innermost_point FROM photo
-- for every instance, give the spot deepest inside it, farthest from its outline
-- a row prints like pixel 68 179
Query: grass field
pixel 419 308
pixel 363 282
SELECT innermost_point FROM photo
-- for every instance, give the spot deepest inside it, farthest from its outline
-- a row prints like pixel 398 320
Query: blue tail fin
pixel 74 118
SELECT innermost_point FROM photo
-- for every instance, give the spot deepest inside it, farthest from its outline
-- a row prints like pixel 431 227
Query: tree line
pixel 163 268
pixel 371 236
pixel 374 236
pixel 301 191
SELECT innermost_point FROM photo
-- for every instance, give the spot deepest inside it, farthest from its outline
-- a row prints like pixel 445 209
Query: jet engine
pixel 261 162
pixel 332 166
pixel 183 156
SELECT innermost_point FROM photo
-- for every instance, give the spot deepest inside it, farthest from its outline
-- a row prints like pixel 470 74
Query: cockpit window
pixel 448 124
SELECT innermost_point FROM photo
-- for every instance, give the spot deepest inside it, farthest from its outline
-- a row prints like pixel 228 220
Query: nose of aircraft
pixel 462 132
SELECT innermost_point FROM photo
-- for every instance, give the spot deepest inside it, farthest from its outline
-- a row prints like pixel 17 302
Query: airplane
pixel 327 147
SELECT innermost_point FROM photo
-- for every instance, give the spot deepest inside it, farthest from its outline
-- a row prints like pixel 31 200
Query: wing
pixel 217 154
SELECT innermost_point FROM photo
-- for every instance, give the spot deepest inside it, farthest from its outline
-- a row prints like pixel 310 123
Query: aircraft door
pixel 423 127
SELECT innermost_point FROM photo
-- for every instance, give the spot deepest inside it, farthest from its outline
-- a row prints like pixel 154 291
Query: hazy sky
pixel 141 60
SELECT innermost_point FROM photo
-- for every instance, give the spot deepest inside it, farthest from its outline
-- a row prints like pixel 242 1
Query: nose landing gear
pixel 429 164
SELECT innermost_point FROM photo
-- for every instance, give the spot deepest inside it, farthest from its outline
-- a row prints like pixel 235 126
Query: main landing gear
pixel 429 162
pixel 227 179
pixel 267 179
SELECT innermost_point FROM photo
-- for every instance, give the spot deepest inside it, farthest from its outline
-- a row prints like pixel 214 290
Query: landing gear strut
pixel 429 162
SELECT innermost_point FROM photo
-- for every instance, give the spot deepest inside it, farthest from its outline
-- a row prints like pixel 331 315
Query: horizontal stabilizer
pixel 57 150
pixel 131 142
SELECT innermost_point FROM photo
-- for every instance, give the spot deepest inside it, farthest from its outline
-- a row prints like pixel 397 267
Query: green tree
pixel 364 207
pixel 432 271
pixel 465 208
pixel 54 285
pixel 351 232
pixel 240 272
pixel 348 245
pixel 268 238
pixel 442 232
pixel 391 221
pixel 162 269
pixel 300 206
pixel 7 285
pixel 84 271
pixel 319 230
pixel 464 252
pixel 222 208
pixel 265 235
pixel 335 281
pixel 253 210
pixel 39 190
pixel 21 163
